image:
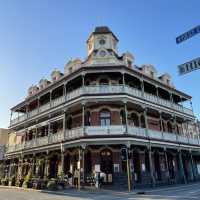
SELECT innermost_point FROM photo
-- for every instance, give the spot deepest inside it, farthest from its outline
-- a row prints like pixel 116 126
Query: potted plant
pixel 4 181
pixel 27 181
pixel 52 184
pixel 12 181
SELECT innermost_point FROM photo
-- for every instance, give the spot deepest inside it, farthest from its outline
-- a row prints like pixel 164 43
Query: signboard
pixel 188 34
pixel 189 66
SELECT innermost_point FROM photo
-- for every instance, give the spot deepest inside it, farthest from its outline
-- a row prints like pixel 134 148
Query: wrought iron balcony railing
pixel 103 89
pixel 92 131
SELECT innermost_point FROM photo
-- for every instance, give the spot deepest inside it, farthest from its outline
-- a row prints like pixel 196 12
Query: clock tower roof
pixel 103 30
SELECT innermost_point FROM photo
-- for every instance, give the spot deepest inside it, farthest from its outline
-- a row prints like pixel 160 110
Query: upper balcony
pixel 103 90
pixel 103 131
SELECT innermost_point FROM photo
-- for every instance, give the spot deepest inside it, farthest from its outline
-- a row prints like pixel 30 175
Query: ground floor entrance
pixel 116 165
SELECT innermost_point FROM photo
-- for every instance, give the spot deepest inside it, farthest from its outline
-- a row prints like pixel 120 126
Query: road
pixel 182 192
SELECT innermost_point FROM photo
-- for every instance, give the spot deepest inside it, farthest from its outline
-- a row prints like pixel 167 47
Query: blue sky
pixel 37 36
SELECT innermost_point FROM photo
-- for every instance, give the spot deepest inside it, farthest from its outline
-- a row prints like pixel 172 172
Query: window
pixel 103 81
pixel 122 117
pixel 142 119
pixel 87 118
pixel 129 63
pixel 169 127
pixel 69 123
pixel 152 74
pixel 105 118
pixel 70 69
pixel 135 120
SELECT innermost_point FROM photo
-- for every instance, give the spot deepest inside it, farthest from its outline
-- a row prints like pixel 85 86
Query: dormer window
pixel 129 63
pixel 152 74
pixel 70 69
pixel 168 82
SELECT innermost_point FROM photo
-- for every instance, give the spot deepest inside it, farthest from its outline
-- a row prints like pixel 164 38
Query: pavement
pixel 178 192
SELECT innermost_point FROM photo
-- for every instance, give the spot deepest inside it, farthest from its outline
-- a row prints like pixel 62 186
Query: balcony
pixel 93 131
pixel 105 89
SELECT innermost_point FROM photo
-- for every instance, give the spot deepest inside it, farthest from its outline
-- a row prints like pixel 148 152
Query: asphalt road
pixel 182 192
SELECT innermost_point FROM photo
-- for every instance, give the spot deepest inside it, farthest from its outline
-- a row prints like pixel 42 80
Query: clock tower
pixel 102 42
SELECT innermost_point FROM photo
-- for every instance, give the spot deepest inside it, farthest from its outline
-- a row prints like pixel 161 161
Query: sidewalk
pixel 93 190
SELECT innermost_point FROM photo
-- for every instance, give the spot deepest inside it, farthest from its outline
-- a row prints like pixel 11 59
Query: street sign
pixel 188 34
pixel 189 66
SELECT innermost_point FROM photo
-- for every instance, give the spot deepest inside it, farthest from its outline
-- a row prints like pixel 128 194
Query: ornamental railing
pixel 93 131
pixel 103 89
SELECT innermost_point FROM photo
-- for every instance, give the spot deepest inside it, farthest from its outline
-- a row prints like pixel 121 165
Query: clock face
pixel 102 53
pixel 102 41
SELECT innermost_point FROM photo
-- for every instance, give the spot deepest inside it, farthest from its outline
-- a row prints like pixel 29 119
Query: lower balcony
pixel 90 131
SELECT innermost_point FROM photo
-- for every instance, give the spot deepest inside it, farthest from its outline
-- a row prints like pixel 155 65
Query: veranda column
pixel 79 170
pixel 126 116
pixel 83 117
pixel 50 99
pixel 33 165
pixel 62 160
pixel 146 123
pixel 174 129
pixel 49 132
pixel 142 86
pixel 192 165
pixel 123 80
pixel 151 167
pixel 166 161
pixel 128 167
pixel 65 92
pixel 46 169
pixel 64 124
pixel 82 168
pixel 161 124
pixel 181 170
pixel 10 169
pixel 19 176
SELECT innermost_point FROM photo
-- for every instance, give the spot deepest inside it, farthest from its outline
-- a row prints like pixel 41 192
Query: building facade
pixel 105 114
pixel 3 141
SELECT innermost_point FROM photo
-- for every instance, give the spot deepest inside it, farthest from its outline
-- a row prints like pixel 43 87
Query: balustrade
pixel 104 89
pixel 101 131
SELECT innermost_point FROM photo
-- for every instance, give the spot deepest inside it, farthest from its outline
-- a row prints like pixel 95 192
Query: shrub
pixel 19 182
pixel 27 181
pixel 4 181
pixel 12 181
pixel 52 184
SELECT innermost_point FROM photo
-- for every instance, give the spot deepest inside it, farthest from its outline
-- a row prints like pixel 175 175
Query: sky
pixel 38 36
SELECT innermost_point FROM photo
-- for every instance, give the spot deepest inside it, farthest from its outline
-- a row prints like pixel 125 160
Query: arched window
pixel 163 125
pixel 122 117
pixel 87 82
pixel 169 127
pixel 177 129
pixel 87 118
pixel 88 162
pixel 106 161
pixel 135 119
pixel 142 120
pixel 105 118
pixel 69 123
pixel 103 81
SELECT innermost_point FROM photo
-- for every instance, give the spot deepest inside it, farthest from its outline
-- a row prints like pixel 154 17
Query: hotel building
pixel 106 114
